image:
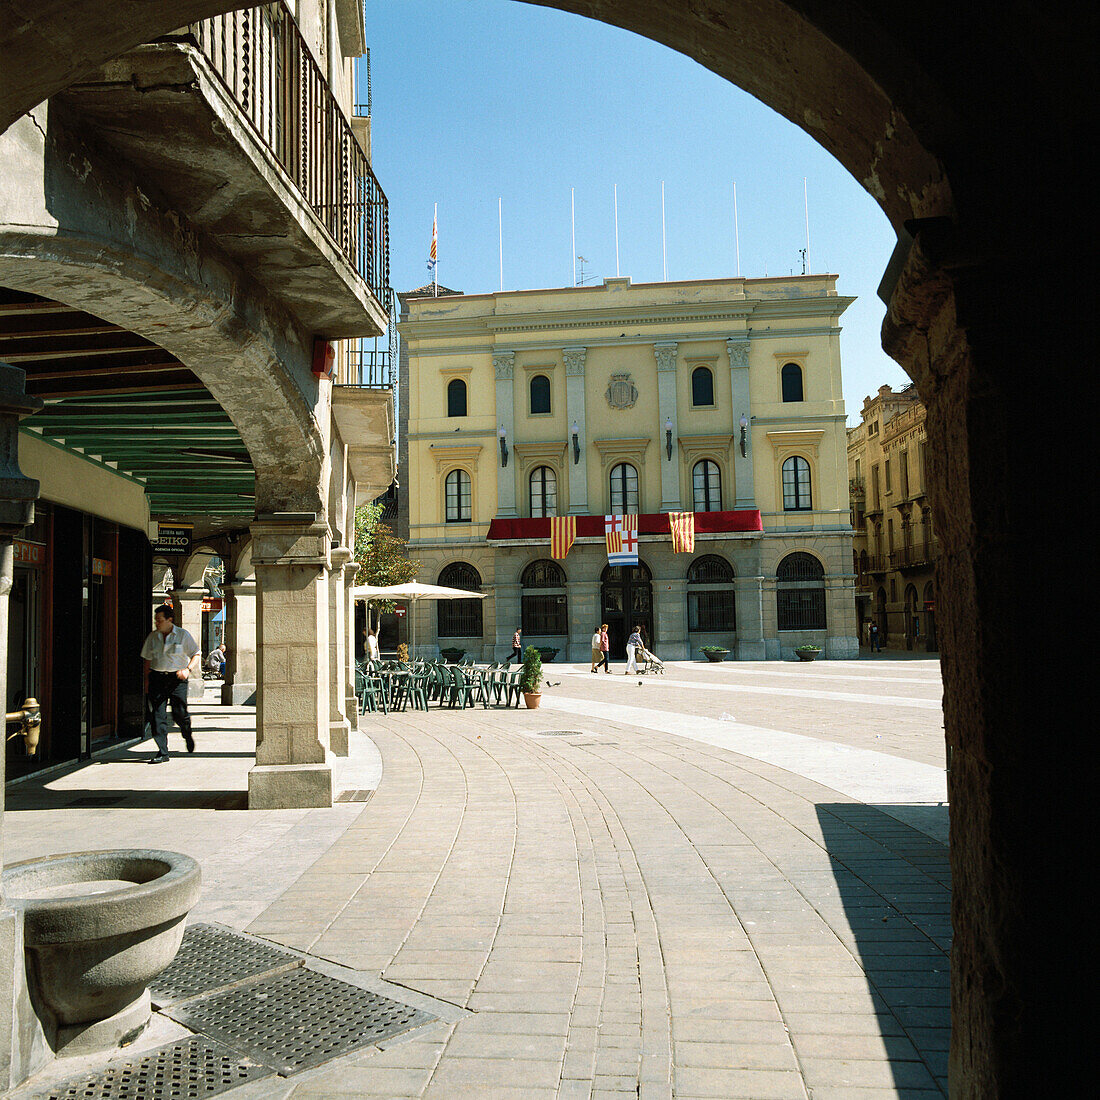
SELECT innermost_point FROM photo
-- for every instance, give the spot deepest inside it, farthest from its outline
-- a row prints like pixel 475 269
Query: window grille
pixel 543 574
pixel 459 618
pixel 545 610
pixel 710 598
pixel 801 608
pixel 800 566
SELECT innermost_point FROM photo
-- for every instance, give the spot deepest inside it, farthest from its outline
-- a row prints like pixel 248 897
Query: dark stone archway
pixel 961 120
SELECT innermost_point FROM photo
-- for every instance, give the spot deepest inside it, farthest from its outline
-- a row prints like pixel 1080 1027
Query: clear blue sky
pixel 481 100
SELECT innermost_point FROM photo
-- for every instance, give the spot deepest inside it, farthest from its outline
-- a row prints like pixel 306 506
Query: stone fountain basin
pixel 98 927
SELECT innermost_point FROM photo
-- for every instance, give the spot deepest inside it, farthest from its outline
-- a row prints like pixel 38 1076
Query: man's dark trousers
pixel 167 688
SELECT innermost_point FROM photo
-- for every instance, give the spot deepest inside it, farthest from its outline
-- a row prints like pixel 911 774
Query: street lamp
pixel 744 429
pixel 668 437
pixel 575 429
pixel 503 446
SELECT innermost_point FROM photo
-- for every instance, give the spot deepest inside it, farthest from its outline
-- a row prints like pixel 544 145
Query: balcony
pixel 916 556
pixel 856 489
pixel 231 123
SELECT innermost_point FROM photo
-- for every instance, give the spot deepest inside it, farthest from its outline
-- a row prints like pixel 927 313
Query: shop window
pixel 456 397
pixel 459 497
pixel 544 491
pixel 545 607
pixel 540 394
pixel 710 596
pixel 706 481
pixel 702 387
pixel 796 485
pixel 791 378
pixel 459 618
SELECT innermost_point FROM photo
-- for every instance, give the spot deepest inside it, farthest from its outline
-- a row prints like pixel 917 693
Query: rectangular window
pixel 711 611
pixel 875 488
pixel 544 613
pixel 801 608
pixel 889 486
pixel 904 470
pixel 458 498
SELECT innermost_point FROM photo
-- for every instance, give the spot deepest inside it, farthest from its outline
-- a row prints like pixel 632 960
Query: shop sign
pixel 30 553
pixel 173 539
pixel 399 612
pixel 212 603
pixel 101 567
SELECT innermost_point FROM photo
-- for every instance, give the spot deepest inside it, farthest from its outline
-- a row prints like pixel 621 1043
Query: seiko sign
pixel 172 540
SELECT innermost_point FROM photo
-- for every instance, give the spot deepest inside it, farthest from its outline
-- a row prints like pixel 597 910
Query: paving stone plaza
pixel 730 881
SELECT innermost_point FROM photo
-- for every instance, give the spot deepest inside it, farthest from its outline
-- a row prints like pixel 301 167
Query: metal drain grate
pixel 297 1020
pixel 212 958
pixel 192 1068
pixel 353 796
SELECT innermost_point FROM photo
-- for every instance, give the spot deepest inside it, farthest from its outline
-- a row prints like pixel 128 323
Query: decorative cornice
pixel 540 454
pixel 665 354
pixel 621 450
pixel 806 438
pixel 464 453
pixel 504 363
pixel 574 361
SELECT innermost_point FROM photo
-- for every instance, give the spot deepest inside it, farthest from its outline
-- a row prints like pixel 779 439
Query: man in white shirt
pixel 170 656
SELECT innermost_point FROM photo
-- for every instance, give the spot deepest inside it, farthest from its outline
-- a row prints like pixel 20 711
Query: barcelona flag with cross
pixel 621 535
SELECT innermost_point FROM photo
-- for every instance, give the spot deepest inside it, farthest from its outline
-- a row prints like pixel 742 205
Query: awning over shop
pixel 649 523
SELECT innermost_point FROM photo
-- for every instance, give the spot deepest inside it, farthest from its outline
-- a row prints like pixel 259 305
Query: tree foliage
pixel 382 556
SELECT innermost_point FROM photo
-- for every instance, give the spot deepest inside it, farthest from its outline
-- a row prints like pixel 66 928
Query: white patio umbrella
pixel 411 592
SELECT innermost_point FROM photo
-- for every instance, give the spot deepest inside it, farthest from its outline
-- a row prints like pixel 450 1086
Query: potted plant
pixel 548 653
pixel 714 652
pixel 530 678
pixel 808 652
pixel 452 655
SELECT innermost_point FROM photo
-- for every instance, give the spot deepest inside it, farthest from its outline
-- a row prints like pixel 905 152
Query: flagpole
pixel 664 240
pixel 616 230
pixel 500 231
pixel 435 266
pixel 573 216
pixel 736 231
pixel 806 201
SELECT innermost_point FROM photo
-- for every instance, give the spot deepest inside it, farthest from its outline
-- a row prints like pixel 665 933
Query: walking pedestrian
pixel 373 652
pixel 633 643
pixel 597 651
pixel 605 648
pixel 872 635
pixel 517 652
pixel 170 655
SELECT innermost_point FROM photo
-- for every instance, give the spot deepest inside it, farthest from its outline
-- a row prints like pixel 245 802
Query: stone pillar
pixel 23 1049
pixel 770 619
pixel 187 604
pixel 239 686
pixel 351 704
pixel 842 638
pixel 738 349
pixel 508 616
pixel 665 353
pixel 670 633
pixel 339 727
pixel 584 617
pixel 504 364
pixel 290 553
pixel 749 596
pixel 574 412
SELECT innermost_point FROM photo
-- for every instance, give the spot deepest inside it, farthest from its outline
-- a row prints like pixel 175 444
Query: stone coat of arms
pixel 621 393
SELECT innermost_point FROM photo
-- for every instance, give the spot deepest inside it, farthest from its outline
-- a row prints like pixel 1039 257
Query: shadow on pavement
pixel 894 885
pixel 42 798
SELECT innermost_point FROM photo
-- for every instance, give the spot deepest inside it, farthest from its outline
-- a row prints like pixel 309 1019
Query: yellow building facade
pixel 720 397
pixel 895 548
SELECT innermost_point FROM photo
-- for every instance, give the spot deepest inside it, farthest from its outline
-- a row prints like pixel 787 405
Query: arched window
pixel 459 618
pixel 800 592
pixel 710 597
pixel 544 492
pixel 458 494
pixel 702 386
pixel 706 481
pixel 540 394
pixel 545 607
pixel 624 489
pixel 791 378
pixel 456 397
pixel 796 485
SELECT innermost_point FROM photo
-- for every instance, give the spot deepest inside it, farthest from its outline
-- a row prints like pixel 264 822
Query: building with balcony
pixel 718 397
pixel 895 548
pixel 194 272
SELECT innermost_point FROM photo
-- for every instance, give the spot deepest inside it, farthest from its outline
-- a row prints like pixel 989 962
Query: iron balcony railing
pixel 372 361
pixel 264 63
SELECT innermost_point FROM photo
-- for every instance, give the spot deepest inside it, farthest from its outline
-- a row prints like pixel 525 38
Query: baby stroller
pixel 649 662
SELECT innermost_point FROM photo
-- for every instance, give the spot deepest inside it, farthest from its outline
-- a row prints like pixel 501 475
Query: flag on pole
pixel 433 259
pixel 563 530
pixel 621 536
pixel 682 526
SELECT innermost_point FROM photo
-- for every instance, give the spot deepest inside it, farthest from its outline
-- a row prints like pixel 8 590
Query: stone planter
pixel 98 927
pixel 715 655
pixel 452 656
pixel 532 699
pixel 807 655
pixel 548 654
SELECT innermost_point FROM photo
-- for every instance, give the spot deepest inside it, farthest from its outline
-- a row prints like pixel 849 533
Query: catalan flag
pixel 563 530
pixel 682 526
pixel 621 535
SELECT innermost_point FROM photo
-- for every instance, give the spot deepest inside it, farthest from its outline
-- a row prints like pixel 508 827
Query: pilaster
pixel 738 348
pixel 293 761
pixel 351 703
pixel 239 686
pixel 503 366
pixel 584 617
pixel 749 597
pixel 842 639
pixel 670 633
pixel 665 354
pixel 574 358
pixel 339 727
pixel 509 614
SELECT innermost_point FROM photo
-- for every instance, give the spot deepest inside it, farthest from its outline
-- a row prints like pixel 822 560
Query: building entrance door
pixel 626 598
